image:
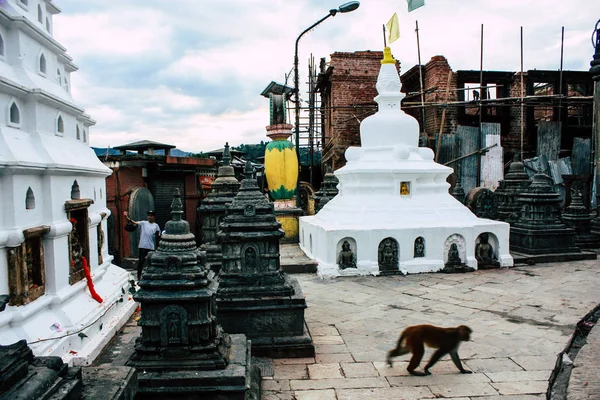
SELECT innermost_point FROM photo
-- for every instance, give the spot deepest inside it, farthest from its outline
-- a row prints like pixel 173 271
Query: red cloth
pixel 90 282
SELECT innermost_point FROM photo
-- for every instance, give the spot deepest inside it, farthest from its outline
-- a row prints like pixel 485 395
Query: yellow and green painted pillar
pixel 281 170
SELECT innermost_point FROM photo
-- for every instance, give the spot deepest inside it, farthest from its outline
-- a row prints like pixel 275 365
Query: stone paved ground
pixel 522 318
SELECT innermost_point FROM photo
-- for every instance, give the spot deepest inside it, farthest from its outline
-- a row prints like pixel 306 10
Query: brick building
pixel 347 88
pixel 144 177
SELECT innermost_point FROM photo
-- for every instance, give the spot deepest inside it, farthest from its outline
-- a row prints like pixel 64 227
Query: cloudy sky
pixel 190 72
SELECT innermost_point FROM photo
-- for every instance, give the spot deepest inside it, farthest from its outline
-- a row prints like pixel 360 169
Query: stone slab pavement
pixel 522 318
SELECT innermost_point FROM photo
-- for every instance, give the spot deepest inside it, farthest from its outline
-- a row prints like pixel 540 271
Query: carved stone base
pixel 284 347
pixel 457 269
pixel 588 241
pixel 483 265
pixel 23 376
pixel 528 258
pixel 109 383
pixel 240 380
pixel 543 241
pixel 275 324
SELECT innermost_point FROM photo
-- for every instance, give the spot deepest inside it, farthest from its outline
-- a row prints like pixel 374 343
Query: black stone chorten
pixel 254 295
pixel 576 216
pixel 182 351
pixel 327 191
pixel 212 210
pixel 539 229
pixel 513 184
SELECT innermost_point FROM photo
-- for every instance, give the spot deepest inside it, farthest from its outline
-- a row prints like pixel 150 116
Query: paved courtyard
pixel 521 317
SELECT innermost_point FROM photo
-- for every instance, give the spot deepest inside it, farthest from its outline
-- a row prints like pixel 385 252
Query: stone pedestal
pixel 515 181
pixel 23 376
pixel 183 351
pixel 539 234
pixel 577 217
pixel 212 210
pixel 254 295
pixel 287 215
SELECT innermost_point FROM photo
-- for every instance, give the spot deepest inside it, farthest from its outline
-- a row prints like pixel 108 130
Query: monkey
pixel 445 340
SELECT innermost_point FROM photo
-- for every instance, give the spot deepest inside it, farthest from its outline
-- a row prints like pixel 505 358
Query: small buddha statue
pixel 453 255
pixel 484 253
pixel 346 258
pixel 419 247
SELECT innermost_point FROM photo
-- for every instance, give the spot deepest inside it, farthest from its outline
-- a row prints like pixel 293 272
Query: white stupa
pixel 393 202
pixel 52 200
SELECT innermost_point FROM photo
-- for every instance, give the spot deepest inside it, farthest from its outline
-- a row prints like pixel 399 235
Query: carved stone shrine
pixel 514 182
pixel 577 217
pixel 182 350
pixel 539 229
pixel 327 191
pixel 455 251
pixel 482 202
pixel 212 210
pixel 485 253
pixel 458 192
pixel 255 296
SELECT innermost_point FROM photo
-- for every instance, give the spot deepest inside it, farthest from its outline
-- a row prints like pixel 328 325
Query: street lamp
pixel 344 8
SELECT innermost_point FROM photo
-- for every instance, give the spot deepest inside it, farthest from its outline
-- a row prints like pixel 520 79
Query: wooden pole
pixel 560 80
pixel 522 99
pixel 421 80
pixel 439 139
pixel 480 138
pixel 384 42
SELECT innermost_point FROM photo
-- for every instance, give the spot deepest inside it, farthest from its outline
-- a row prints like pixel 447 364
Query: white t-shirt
pixel 147 232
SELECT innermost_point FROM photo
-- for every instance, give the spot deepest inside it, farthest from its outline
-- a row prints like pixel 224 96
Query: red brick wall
pixel 351 100
pixel 436 80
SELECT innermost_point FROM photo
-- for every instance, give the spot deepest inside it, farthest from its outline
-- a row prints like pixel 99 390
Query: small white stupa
pixel 53 214
pixel 393 211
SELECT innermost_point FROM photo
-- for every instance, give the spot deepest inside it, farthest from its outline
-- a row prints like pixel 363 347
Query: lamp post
pixel 344 8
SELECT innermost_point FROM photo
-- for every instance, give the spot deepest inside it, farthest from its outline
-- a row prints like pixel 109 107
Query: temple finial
pixel 176 206
pixel 387 56
pixel 226 154
pixel 248 170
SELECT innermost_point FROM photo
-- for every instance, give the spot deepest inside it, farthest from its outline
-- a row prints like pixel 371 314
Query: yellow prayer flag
pixel 393 28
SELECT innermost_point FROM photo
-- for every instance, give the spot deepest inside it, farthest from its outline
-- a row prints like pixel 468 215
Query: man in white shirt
pixel 149 230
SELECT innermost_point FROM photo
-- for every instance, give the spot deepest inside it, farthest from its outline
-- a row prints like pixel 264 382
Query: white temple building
pixel 393 208
pixel 53 214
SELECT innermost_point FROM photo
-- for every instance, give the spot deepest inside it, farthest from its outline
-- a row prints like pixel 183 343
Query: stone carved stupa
pixel 327 191
pixel 182 349
pixel 391 188
pixel 255 296
pixel 212 210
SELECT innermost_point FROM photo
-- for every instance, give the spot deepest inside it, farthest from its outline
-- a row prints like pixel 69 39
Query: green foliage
pixel 253 151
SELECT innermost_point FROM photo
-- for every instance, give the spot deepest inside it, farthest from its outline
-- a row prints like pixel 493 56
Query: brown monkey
pixel 445 340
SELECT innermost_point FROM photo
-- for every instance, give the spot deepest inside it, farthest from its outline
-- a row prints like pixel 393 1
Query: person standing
pixel 149 231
